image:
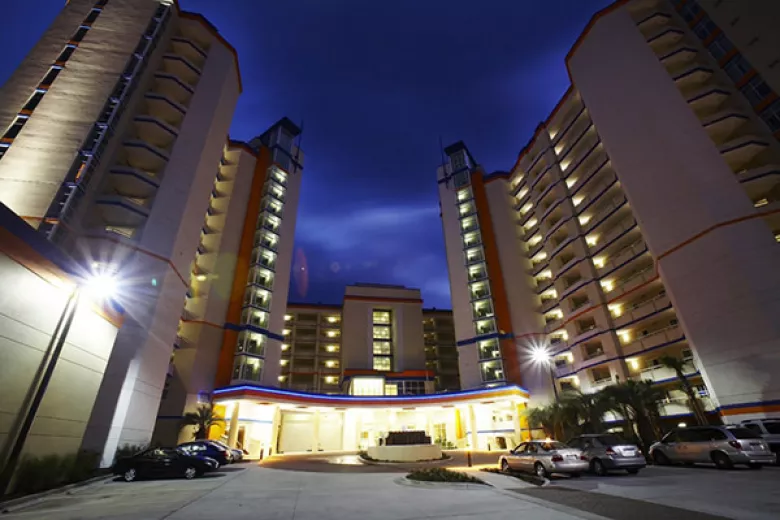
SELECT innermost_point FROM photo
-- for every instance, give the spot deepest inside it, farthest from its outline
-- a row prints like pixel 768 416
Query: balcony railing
pixel 662 373
pixel 653 339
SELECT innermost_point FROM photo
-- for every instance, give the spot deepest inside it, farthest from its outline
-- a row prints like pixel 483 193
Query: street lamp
pixel 100 288
pixel 541 356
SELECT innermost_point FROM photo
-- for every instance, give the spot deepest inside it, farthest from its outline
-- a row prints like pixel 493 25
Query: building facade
pixel 380 335
pixel 640 221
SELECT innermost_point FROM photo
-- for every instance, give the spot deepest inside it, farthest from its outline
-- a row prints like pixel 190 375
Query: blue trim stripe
pixel 346 398
pixel 252 328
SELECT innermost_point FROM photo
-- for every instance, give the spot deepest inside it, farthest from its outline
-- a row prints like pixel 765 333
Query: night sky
pixel 376 85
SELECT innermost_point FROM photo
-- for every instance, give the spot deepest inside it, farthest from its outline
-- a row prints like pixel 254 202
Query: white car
pixel 543 458
pixel 768 429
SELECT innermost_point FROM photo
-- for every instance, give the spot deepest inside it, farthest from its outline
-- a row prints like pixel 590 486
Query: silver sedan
pixel 543 458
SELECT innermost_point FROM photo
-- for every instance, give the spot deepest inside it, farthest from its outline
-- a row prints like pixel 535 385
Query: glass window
pixel 466 208
pixel 772 427
pixel 468 224
pixel 247 369
pixel 474 255
pixel 756 90
pixel 491 371
pixel 381 332
pixel 51 76
pixel 33 101
pixel 720 46
pixel 737 67
pixel 382 363
pixel 477 272
pixel 479 290
pixel 741 433
pixel 458 160
pixel 80 34
pixel 464 194
pixel 461 179
pixel 485 326
pixel 382 348
pixel 381 317
pixel 771 116
pixel 690 10
pixel 753 428
pixel 251 343
pixel 66 53
pixel 472 239
pixel 15 128
pixel 704 27
pixel 488 349
pixel 551 446
pixel 707 435
pixel 482 309
pixel 92 16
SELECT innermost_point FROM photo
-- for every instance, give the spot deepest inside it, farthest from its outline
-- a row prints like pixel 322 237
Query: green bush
pixel 36 474
pixel 441 475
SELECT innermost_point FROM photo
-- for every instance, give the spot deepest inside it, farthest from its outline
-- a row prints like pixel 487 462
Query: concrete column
pixel 473 428
pixel 358 428
pixel 429 426
pixel 315 437
pixel 233 428
pixel 276 427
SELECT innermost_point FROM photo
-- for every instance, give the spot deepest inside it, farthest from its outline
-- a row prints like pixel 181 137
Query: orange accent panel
pixel 771 98
pixel 770 408
pixel 497 289
pixel 202 322
pixel 25 112
pixel 7 140
pixel 381 299
pixel 697 19
pixel 711 37
pixel 747 77
pixel 727 57
pixel 229 337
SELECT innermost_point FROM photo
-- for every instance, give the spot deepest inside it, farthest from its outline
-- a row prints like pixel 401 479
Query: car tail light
pixel 583 457
pixel 735 445
pixel 557 458
pixel 610 451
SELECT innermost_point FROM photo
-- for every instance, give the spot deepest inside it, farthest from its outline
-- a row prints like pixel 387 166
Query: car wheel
pixel 755 466
pixel 190 473
pixel 660 458
pixel 505 466
pixel 130 475
pixel 632 471
pixel 540 470
pixel 721 460
pixel 216 464
pixel 598 467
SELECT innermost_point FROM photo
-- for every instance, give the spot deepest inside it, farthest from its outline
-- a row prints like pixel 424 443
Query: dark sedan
pixel 162 462
pixel 208 449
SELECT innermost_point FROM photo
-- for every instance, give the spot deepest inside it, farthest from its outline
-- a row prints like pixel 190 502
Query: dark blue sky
pixel 376 84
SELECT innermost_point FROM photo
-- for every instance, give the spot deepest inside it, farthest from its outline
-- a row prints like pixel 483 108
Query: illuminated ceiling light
pixel 545 274
pixel 616 309
pixel 592 240
pixel 535 239
pixel 282 378
pixel 331 348
pixel 283 362
pixel 525 209
pixel 285 346
pixel 608 285
pixel 101 287
pixel 522 193
pixel 634 363
pixel 331 333
pixel 531 223
pixel 599 261
pixel 286 332
pixel 578 200
pixel 330 364
pixel 625 336
pixel 571 181
pixel 332 319
pixel 584 219
pixel 201 277
pixel 558 149
pixel 565 165
pixel 287 317
pixel 553 133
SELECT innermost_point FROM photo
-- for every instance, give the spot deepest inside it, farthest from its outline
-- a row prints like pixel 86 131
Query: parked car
pixel 208 449
pixel 238 455
pixel 722 445
pixel 768 429
pixel 607 451
pixel 162 462
pixel 543 458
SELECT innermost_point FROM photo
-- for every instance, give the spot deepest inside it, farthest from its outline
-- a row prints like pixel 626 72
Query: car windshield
pixel 611 440
pixel 743 433
pixel 772 427
pixel 552 445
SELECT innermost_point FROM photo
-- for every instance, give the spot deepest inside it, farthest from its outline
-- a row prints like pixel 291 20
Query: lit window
pixel 381 332
pixel 756 90
pixel 720 46
pixel 381 317
pixel 737 67
pixel 382 348
pixel 382 363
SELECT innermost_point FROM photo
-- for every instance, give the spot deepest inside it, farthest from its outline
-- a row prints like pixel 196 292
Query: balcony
pixel 723 124
pixel 602 212
pixel 691 76
pixel 595 192
pixel 739 151
pixel 189 49
pixel 653 22
pixel 658 337
pixel 577 114
pixel 155 131
pixel 121 211
pixel 145 156
pixel 623 228
pixel 707 99
pixel 678 58
pixel 664 37
pixel 181 67
pixel 631 281
pixel 172 87
pixel 621 257
pixel 133 182
pixel 680 406
pixel 660 373
pixel 572 134
pixel 640 310
pixel 165 110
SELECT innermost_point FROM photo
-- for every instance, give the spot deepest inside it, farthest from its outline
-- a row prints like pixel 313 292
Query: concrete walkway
pixel 262 493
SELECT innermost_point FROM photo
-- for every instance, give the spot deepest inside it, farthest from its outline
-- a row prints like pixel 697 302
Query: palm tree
pixel 637 402
pixel 203 418
pixel 694 403
pixel 588 410
pixel 558 420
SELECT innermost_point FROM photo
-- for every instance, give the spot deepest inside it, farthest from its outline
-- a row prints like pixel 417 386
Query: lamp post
pixel 542 356
pixel 101 287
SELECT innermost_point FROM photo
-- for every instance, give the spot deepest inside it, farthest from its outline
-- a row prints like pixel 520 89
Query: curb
pixel 14 504
pixel 403 481
pixel 401 463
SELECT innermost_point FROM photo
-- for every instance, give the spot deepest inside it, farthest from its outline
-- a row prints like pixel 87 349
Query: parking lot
pixel 323 487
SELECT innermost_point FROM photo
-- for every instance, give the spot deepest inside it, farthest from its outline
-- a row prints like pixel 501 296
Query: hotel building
pixel 641 219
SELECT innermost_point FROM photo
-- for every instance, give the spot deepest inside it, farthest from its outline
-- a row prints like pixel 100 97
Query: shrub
pixel 37 474
pixel 442 475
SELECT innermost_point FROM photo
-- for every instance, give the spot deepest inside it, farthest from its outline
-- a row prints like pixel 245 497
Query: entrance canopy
pixel 265 421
